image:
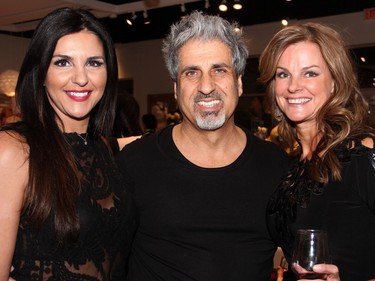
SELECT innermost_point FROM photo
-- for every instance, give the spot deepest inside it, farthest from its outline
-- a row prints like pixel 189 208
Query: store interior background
pixel 138 46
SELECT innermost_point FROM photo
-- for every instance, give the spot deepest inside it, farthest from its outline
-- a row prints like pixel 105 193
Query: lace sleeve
pixel 369 184
pixel 364 170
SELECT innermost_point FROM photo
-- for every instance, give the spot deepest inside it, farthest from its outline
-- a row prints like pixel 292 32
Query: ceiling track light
pixel 285 22
pixel 146 20
pixel 183 11
pixel 183 8
pixel 223 6
pixel 206 4
pixel 130 21
pixel 237 5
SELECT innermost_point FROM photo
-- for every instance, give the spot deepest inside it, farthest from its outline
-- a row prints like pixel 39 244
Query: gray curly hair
pixel 204 27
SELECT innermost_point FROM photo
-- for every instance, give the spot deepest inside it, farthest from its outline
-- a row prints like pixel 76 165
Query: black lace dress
pixel 106 226
pixel 346 209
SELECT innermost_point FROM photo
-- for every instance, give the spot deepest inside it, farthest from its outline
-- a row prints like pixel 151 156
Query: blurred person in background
pixel 9 116
pixel 127 121
pixel 149 124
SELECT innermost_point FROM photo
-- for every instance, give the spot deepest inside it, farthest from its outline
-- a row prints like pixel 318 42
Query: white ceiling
pixel 24 15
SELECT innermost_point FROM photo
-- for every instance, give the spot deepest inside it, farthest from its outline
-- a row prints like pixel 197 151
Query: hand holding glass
pixel 310 248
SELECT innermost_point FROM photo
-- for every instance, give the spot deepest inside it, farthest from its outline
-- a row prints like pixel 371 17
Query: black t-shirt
pixel 198 223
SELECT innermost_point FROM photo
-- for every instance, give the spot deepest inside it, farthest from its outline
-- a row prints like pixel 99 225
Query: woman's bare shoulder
pixel 13 150
pixel 122 142
pixel 14 170
pixel 13 181
pixel 369 142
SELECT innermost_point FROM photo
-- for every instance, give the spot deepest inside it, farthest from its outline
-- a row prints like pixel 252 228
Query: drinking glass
pixel 310 248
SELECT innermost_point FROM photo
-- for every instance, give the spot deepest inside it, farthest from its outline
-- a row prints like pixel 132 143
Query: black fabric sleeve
pixel 364 170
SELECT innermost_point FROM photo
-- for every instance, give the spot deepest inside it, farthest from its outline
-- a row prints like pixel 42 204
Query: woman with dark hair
pixel 64 212
pixel 312 83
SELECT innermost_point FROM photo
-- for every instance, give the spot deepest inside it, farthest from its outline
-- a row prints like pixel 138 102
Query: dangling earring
pixel 278 114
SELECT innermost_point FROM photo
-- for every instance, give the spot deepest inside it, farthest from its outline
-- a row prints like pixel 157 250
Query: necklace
pixel 83 138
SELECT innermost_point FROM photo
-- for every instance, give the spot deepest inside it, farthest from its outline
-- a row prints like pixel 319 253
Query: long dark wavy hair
pixel 54 181
pixel 345 113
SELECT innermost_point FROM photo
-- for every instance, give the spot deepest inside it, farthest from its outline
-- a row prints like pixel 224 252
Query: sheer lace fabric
pixel 105 226
pixel 297 188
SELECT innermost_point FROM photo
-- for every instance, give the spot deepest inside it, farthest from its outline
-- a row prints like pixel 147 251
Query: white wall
pixel 12 51
pixel 356 31
pixel 142 61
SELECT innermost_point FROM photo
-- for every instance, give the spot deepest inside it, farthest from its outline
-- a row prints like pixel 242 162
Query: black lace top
pixel 346 209
pixel 106 226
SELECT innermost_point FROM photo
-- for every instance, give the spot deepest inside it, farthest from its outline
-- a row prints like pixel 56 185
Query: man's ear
pixel 239 85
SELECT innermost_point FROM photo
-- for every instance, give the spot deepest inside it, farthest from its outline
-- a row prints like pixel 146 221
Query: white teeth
pixel 209 103
pixel 78 94
pixel 299 101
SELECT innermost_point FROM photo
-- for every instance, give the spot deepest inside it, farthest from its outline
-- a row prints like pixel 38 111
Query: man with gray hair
pixel 201 187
